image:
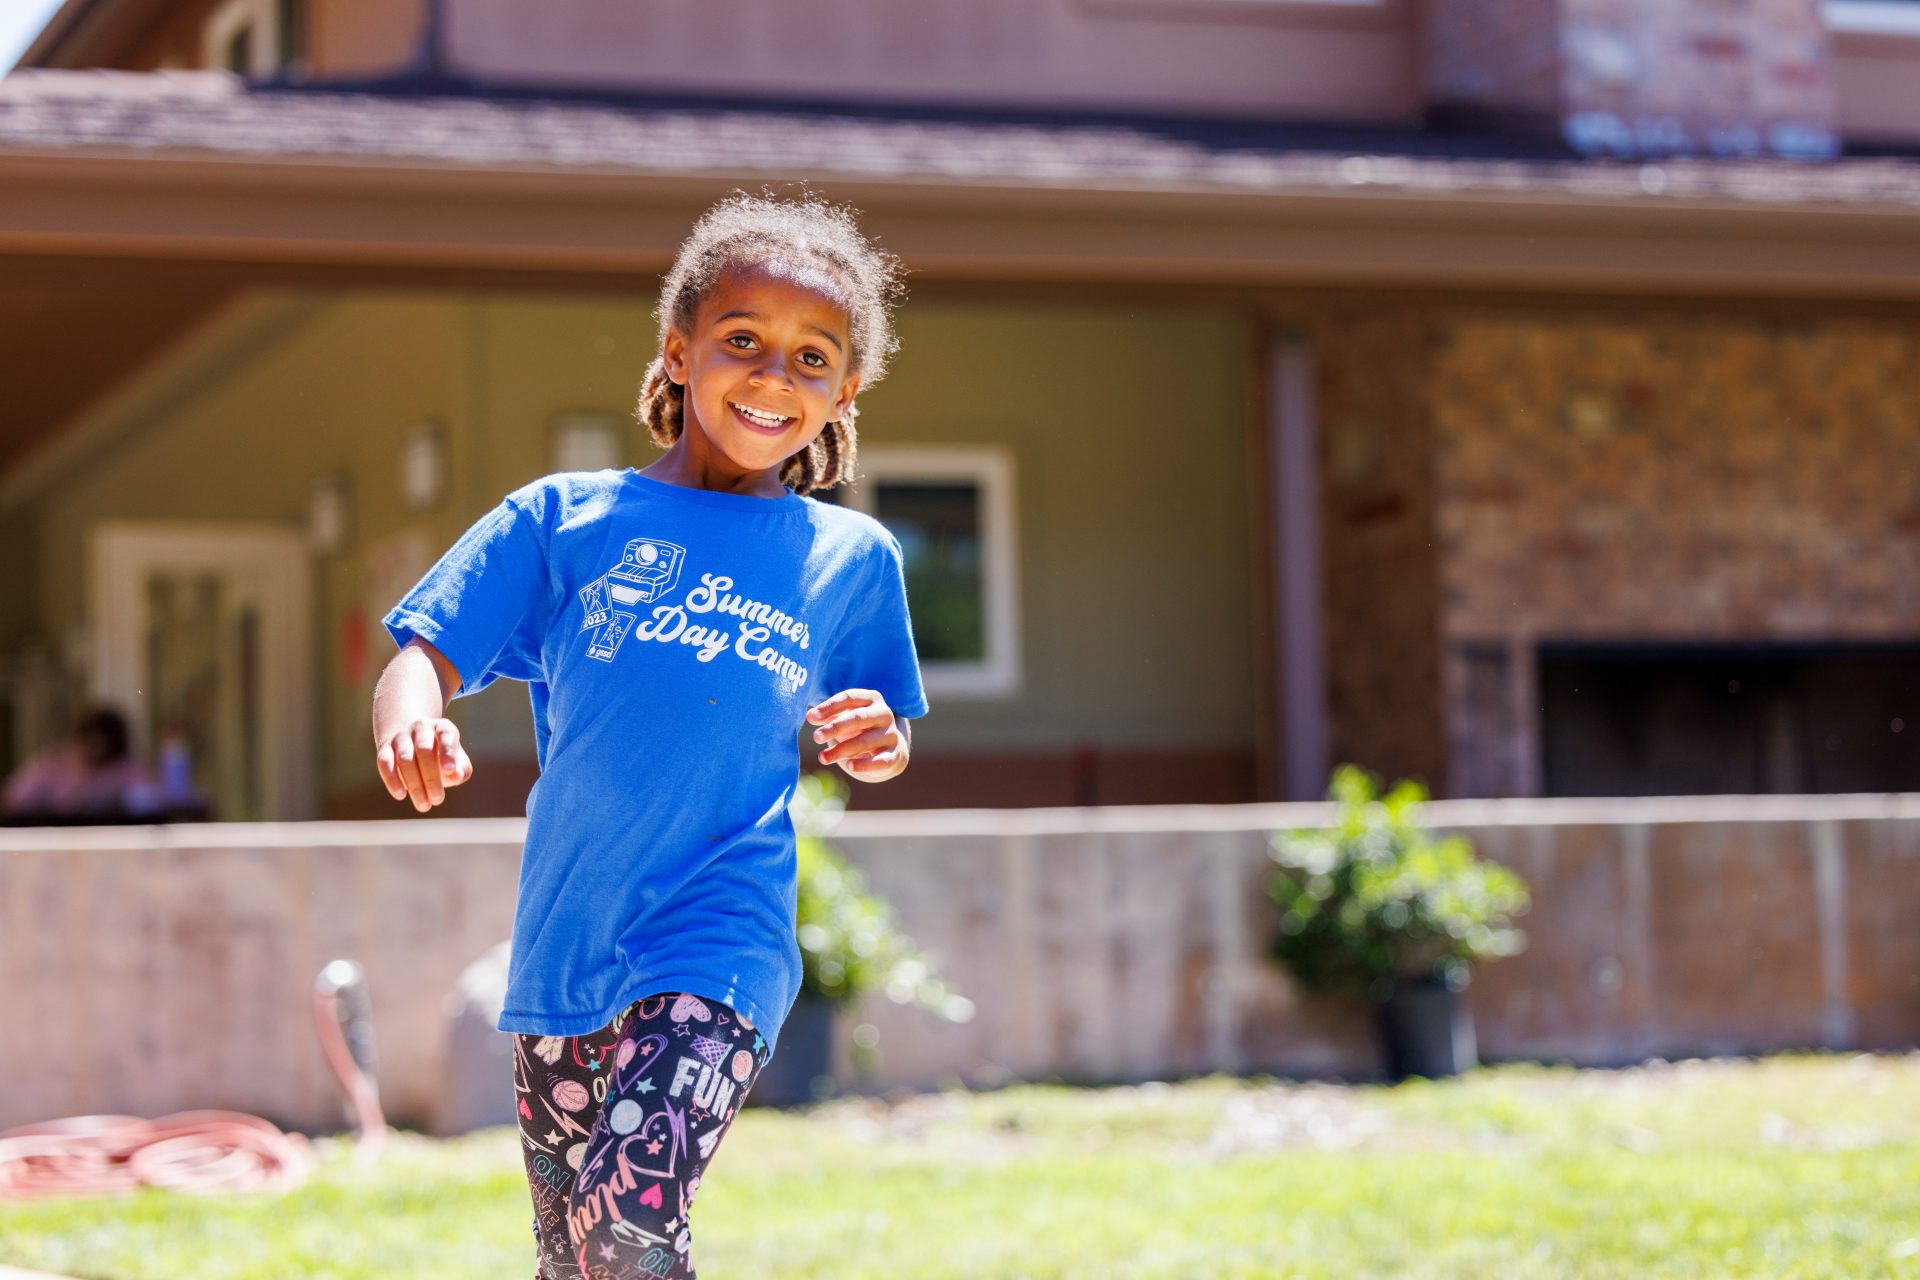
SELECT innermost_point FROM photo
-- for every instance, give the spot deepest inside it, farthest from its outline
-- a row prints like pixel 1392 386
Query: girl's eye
pixel 814 355
pixel 741 337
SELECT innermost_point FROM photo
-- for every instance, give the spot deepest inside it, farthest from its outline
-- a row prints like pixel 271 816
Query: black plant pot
pixel 801 1069
pixel 1425 1029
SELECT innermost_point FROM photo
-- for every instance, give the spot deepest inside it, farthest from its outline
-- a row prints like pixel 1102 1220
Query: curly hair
pixel 804 237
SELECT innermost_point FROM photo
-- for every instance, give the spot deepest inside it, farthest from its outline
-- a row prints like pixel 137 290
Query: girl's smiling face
pixel 766 366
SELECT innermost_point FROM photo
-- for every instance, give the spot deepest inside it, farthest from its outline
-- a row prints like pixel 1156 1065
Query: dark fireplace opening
pixel 1646 719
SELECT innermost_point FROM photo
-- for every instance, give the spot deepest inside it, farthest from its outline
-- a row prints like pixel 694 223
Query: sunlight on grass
pixel 1803 1165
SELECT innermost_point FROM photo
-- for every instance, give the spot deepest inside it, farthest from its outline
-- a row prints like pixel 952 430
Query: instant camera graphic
pixel 648 569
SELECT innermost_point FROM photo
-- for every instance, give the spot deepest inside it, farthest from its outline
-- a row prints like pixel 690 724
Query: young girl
pixel 676 626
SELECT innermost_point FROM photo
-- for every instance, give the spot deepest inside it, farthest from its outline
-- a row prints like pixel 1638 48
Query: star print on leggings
pixel 631 1114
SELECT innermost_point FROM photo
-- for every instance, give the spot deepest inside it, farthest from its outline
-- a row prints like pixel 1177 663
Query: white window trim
pixel 123 553
pixel 263 39
pixel 1872 18
pixel 991 468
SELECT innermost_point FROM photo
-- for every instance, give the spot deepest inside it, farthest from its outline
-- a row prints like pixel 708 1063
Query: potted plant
pixel 850 945
pixel 1375 905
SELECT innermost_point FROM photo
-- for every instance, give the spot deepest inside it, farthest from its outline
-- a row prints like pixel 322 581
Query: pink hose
pixel 199 1152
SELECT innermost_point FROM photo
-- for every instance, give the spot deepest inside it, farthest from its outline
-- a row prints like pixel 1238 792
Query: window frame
pixel 990 468
pixel 1898 18
pixel 260 19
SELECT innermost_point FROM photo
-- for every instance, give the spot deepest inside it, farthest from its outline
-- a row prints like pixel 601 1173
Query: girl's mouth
pixel 766 424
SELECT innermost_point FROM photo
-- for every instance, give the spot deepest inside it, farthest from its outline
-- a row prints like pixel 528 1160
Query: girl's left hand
pixel 862 735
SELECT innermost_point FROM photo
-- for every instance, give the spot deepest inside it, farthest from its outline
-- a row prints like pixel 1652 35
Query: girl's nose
pixel 773 371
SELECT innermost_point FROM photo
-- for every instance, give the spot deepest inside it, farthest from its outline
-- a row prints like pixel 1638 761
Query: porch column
pixel 1299 627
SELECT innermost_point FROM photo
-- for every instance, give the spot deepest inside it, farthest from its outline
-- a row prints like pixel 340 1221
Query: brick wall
pixel 1663 476
pixel 1381 566
pixel 1498 475
pixel 1498 58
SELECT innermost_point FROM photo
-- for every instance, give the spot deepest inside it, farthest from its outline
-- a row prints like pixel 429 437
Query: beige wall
pixel 1126 426
pixel 1296 59
pixel 242 432
pixel 17 571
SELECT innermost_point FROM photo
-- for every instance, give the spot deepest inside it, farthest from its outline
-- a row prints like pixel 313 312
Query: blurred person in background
pixel 91 775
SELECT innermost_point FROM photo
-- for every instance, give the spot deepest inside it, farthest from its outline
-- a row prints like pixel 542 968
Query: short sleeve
pixel 875 647
pixel 485 603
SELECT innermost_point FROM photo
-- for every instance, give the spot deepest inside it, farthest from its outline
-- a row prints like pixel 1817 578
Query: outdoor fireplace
pixel 1623 719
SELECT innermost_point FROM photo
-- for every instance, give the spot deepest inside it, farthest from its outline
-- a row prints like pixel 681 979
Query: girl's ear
pixel 673 356
pixel 844 401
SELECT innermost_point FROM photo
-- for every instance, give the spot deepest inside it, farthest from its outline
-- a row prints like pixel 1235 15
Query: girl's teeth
pixel 762 418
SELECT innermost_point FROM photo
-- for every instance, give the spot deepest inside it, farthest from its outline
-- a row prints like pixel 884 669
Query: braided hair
pixel 804 238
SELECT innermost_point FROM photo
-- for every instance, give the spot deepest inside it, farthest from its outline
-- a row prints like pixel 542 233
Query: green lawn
pixel 1800 1165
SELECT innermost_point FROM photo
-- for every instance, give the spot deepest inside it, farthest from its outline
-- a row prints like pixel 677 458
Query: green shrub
pixel 1374 899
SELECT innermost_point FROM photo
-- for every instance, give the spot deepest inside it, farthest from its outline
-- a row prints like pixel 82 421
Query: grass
pixel 1800 1165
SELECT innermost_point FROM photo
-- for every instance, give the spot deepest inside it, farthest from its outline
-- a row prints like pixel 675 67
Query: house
pixel 1520 394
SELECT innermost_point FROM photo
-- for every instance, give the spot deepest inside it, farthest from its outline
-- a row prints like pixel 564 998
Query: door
pixel 202 637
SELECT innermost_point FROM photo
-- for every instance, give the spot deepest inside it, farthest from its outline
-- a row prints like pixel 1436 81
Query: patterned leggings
pixel 617 1126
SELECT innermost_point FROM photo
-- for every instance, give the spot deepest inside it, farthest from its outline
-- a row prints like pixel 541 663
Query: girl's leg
pixel 559 1084
pixel 676 1075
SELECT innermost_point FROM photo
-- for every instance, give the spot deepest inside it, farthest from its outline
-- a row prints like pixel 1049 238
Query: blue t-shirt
pixel 672 640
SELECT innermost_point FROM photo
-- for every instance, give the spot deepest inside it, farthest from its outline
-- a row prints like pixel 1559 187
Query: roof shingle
pixel 213 113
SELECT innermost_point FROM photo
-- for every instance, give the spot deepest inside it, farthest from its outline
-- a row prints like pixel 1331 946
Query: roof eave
pixel 347 212
pixel 72 24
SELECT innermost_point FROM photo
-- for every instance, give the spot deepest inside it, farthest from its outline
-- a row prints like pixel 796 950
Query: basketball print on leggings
pixel 617 1128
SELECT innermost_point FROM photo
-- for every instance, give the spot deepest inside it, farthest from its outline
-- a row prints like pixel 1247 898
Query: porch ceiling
pixel 67 338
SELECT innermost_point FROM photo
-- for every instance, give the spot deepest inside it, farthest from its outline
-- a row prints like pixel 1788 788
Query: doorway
pixel 202 638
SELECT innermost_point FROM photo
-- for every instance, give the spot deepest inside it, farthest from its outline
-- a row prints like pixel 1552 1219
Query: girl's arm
pixel 416 748
pixel 862 735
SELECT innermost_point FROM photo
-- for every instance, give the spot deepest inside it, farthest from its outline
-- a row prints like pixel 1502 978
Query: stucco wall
pixel 1342 61
pixel 16 578
pixel 1126 426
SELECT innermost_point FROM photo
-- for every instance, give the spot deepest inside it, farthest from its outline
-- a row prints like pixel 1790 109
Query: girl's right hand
pixel 422 760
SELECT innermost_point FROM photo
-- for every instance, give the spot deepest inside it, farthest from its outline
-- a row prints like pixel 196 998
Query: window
pixel 239 54
pixel 1873 17
pixel 257 38
pixel 952 510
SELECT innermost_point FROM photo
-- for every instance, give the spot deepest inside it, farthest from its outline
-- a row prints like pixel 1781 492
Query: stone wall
pixel 147 970
pixel 1662 476
pixel 1380 563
